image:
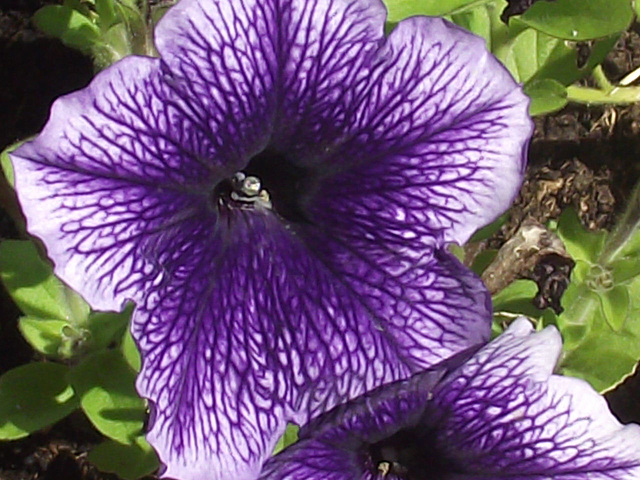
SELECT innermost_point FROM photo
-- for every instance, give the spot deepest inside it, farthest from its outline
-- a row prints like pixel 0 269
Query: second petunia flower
pixel 275 194
pixel 498 414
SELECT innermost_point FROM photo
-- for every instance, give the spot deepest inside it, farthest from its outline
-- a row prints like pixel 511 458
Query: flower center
pixel 272 180
pixel 410 455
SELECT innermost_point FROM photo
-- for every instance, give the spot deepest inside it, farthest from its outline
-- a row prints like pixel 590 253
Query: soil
pixel 582 157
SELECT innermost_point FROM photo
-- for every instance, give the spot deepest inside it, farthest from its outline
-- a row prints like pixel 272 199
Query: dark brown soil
pixel 583 157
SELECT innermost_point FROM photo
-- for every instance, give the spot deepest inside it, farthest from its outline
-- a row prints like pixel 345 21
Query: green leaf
pixel 488 230
pixel 579 19
pixel 558 60
pixel 601 347
pixel 289 437
pixel 107 13
pixel 615 306
pixel 44 335
pixel 478 21
pixel 531 55
pixel 625 269
pixel 127 461
pixel 32 397
pixel 517 298
pixel 107 328
pixel 5 162
pixel 483 260
pixel 32 285
pixel 130 351
pixel 456 250
pixel 105 383
pixel 624 240
pixel 580 305
pixel 546 96
pixel 69 25
pixel 400 9
pixel 579 242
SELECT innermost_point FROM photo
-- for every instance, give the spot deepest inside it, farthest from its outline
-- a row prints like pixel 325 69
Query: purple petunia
pixel 275 194
pixel 501 414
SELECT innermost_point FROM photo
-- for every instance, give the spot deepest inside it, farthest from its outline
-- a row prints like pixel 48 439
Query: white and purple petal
pixel 438 140
pixel 505 414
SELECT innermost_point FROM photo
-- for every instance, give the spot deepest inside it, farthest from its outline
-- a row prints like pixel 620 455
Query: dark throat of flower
pixel 271 180
pixel 410 455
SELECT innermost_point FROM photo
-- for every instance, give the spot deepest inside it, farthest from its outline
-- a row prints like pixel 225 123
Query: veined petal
pixel 325 49
pixel 437 141
pixel 247 319
pixel 336 445
pixel 284 63
pixel 255 330
pixel 497 414
pixel 115 170
pixel 503 414
pixel 223 57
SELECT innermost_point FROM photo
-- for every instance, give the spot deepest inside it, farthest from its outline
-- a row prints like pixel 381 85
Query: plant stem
pixel 601 79
pixel 592 96
pixel 624 230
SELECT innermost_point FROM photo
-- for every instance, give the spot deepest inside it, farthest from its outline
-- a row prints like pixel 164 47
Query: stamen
pixel 243 191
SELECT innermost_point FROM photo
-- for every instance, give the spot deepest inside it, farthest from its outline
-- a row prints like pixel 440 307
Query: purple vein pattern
pixel 502 414
pixel 275 194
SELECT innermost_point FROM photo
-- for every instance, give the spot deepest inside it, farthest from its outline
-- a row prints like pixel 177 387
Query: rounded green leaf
pixel 580 243
pixel 546 96
pixel 476 20
pixel 107 328
pixel 32 397
pixel 579 19
pixel 400 9
pixel 130 352
pixel 615 306
pixel 107 13
pixel 625 268
pixel 517 298
pixel 608 349
pixel 5 161
pixel 32 285
pixel 44 335
pixel 67 24
pixel 127 461
pixel 105 384
pixel 289 437
pixel 483 260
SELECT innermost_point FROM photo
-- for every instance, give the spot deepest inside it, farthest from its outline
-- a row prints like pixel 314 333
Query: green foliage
pixel 69 25
pixel 130 352
pixel 532 46
pixel 5 162
pixel 32 285
pixel 106 386
pixel 488 230
pixel 130 461
pixel 517 298
pixel 108 30
pixel 547 95
pixel 58 322
pixel 54 338
pixel 579 20
pixel 289 437
pixel 399 9
pixel 32 397
pixel 600 323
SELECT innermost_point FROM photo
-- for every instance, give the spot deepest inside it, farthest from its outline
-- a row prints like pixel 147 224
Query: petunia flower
pixel 500 415
pixel 275 194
